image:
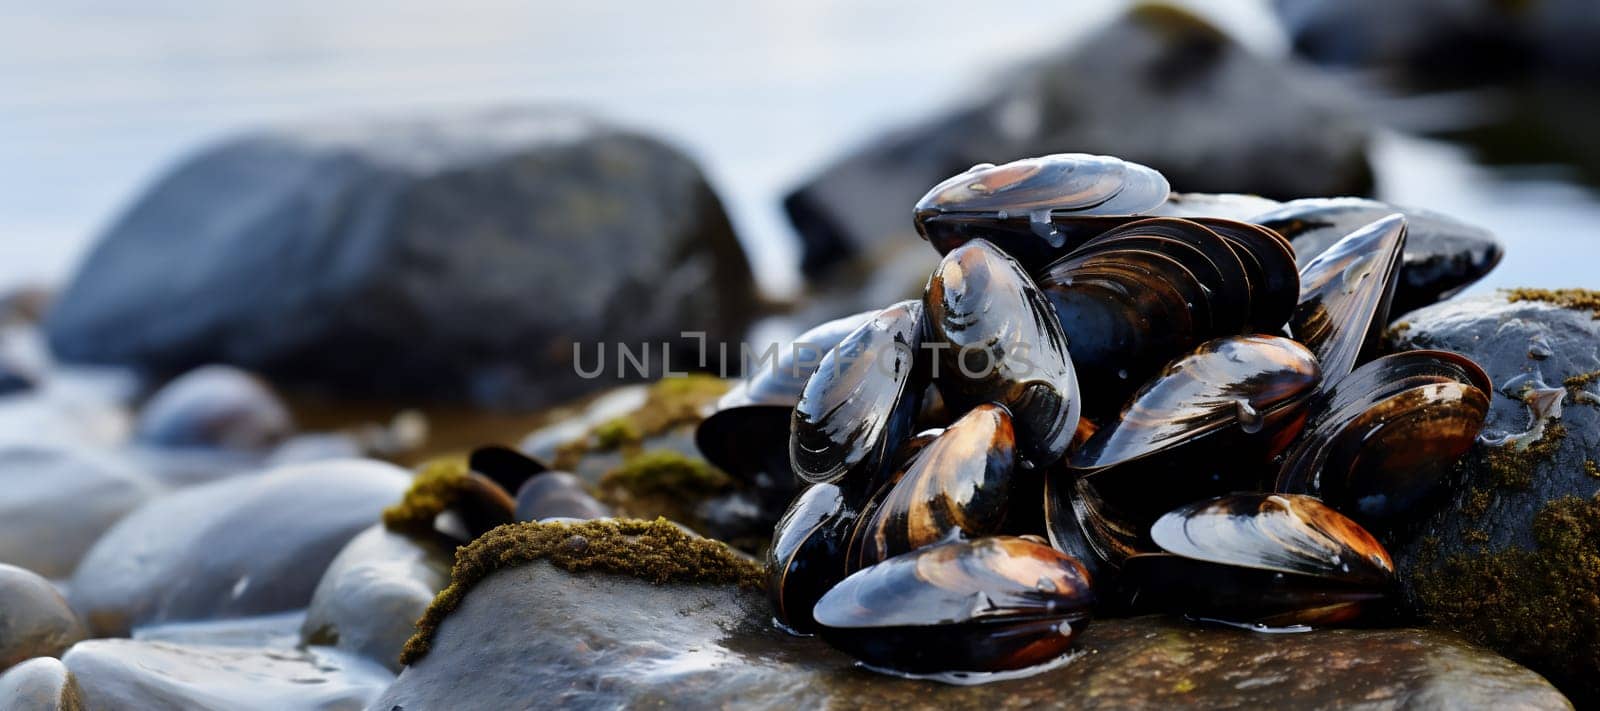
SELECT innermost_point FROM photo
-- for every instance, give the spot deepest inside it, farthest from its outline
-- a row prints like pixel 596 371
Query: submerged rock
pixel 371 596
pixel 629 643
pixel 58 500
pixel 1509 558
pixel 237 547
pixel 214 406
pixel 121 673
pixel 34 620
pixel 444 246
pixel 41 684
pixel 1159 87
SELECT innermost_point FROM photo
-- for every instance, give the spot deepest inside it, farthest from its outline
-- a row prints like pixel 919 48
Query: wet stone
pixel 625 642
pixel 120 673
pixel 34 619
pixel 40 684
pixel 371 596
pixel 214 406
pixel 58 500
pixel 242 546
pixel 1507 557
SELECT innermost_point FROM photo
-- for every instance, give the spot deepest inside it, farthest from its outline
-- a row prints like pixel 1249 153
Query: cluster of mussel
pixel 1106 401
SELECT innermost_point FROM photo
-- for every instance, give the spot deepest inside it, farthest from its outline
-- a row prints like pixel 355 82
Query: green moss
pixel 1591 468
pixel 613 434
pixel 436 488
pixel 1540 606
pixel 666 472
pixel 1513 469
pixel 668 403
pixel 657 551
pixel 1579 382
pixel 1476 503
pixel 1576 299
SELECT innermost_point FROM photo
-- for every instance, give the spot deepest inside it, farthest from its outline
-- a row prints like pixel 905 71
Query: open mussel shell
pixel 1001 342
pixel 1442 255
pixel 1267 559
pixel 992 604
pixel 1345 293
pixel 1038 208
pixel 957 485
pixel 808 552
pixel 1384 438
pixel 557 495
pixel 859 404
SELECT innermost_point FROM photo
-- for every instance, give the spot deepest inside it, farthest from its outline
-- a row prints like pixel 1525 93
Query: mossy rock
pixel 1511 556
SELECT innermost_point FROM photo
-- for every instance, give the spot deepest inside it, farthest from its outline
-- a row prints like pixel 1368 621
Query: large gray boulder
pixel 457 258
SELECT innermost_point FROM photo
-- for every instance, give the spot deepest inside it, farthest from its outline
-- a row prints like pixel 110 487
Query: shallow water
pixel 101 96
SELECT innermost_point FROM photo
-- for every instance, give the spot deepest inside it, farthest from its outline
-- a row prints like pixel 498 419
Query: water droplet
pixel 1250 419
pixel 1045 585
pixel 1122 373
pixel 1002 215
pixel 1039 224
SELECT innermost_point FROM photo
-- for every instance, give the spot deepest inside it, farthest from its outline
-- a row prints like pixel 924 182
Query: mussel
pixel 1384 437
pixel 1037 209
pixel 1000 342
pixel 1442 256
pixel 1345 294
pixel 1277 560
pixel 859 404
pixel 957 484
pixel 808 553
pixel 993 604
pixel 1207 424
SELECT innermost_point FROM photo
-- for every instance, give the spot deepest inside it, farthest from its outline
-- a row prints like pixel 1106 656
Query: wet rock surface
pixel 370 597
pixel 34 619
pixel 58 501
pixel 214 406
pixel 625 642
pixel 417 258
pixel 242 546
pixel 1158 87
pixel 119 673
pixel 1510 557
pixel 41 684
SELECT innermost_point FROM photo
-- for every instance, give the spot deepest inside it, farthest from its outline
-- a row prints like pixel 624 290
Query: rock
pixel 34 620
pixel 627 643
pixel 1447 39
pixel 372 594
pixel 413 258
pixel 1159 87
pixel 41 684
pixel 214 406
pixel 58 501
pixel 121 673
pixel 1509 558
pixel 237 547
pixel 279 630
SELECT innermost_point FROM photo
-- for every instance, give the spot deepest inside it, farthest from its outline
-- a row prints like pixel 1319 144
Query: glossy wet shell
pixel 1237 381
pixel 958 484
pixel 1283 533
pixel 1386 436
pixel 859 404
pixel 1003 344
pixel 1345 293
pixel 781 379
pixel 505 466
pixel 807 553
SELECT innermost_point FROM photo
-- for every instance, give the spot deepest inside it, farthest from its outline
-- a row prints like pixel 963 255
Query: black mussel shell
pixel 1000 342
pixel 859 405
pixel 1268 559
pixel 557 495
pixel 1384 438
pixel 505 466
pixel 992 604
pixel 1269 263
pixel 1442 255
pixel 1345 294
pixel 1229 206
pixel 958 484
pixel 807 553
pixel 1037 208
pixel 780 376
pixel 1085 525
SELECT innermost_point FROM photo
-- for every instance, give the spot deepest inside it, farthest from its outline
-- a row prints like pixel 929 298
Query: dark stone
pixel 57 501
pixel 371 596
pixel 456 259
pixel 1505 557
pixel 624 643
pixel 214 406
pixel 129 674
pixel 41 684
pixel 1159 87
pixel 1449 40
pixel 34 619
pixel 241 546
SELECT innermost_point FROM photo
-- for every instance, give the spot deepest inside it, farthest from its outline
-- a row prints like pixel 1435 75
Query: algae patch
pixel 668 403
pixel 1513 469
pixel 663 483
pixel 437 487
pixel 1576 299
pixel 657 551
